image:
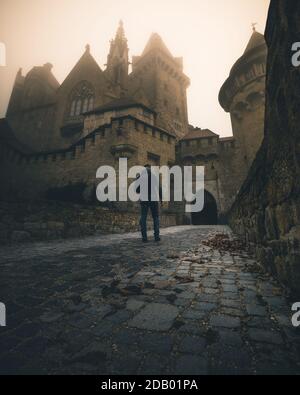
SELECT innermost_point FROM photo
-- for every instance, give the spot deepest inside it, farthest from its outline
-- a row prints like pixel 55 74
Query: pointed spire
pixel 120 35
pixel 117 60
pixel 119 44
pixel 87 48
pixel 256 40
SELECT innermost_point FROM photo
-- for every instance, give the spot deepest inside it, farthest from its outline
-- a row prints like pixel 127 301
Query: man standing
pixel 151 202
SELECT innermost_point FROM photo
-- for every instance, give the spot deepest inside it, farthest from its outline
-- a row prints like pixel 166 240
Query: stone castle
pixel 54 137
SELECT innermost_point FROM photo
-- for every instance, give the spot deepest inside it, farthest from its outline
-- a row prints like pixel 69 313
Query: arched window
pixel 91 104
pixel 81 99
pixel 78 107
pixel 73 108
pixel 85 105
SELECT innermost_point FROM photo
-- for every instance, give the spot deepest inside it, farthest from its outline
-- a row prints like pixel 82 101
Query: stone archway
pixel 209 214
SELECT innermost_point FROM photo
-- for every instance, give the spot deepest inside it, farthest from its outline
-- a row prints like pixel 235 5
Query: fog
pixel 209 34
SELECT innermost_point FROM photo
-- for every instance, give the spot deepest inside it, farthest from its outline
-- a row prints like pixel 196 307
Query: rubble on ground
pixel 224 243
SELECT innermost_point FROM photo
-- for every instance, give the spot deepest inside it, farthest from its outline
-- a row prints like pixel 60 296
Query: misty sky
pixel 210 35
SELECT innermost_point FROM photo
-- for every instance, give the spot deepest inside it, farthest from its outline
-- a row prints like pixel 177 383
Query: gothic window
pixel 91 103
pixel 78 107
pixel 81 99
pixel 73 108
pixel 85 105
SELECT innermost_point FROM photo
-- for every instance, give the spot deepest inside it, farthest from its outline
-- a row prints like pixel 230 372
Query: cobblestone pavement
pixel 111 304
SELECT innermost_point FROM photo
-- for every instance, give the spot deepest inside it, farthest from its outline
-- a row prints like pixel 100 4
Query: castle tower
pixel 243 96
pixel 117 60
pixel 159 75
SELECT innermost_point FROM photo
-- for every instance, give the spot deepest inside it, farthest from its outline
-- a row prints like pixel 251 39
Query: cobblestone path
pixel 111 304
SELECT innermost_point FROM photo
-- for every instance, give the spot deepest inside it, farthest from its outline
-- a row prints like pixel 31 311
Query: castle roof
pixel 119 104
pixel 255 41
pixel 87 63
pixel 156 42
pixel 156 45
pixel 198 133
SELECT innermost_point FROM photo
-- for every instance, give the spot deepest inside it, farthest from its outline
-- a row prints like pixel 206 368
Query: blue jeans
pixel 155 215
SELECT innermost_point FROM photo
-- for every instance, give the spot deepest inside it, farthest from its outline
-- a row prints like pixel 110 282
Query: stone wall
pixel 44 220
pixel 267 209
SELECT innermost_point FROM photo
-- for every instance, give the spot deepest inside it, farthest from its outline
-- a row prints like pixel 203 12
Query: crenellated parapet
pixel 34 173
pixel 241 77
pixel 121 133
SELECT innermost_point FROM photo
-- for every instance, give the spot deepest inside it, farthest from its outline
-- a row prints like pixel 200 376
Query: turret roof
pixel 255 44
pixel 255 41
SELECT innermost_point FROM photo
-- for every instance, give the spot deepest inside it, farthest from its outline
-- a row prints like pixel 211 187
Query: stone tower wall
pixel 247 116
pixel 243 97
pixel 164 85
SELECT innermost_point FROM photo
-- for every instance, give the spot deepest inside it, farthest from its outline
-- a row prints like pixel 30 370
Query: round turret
pixel 243 96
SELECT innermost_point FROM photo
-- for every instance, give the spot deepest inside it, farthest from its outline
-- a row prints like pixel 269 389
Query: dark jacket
pixel 152 181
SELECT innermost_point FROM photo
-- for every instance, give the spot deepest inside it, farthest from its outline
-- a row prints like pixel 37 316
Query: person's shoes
pixel 145 240
pixel 157 239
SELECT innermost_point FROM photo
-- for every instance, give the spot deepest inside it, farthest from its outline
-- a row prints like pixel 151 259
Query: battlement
pixel 237 83
pixel 115 129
